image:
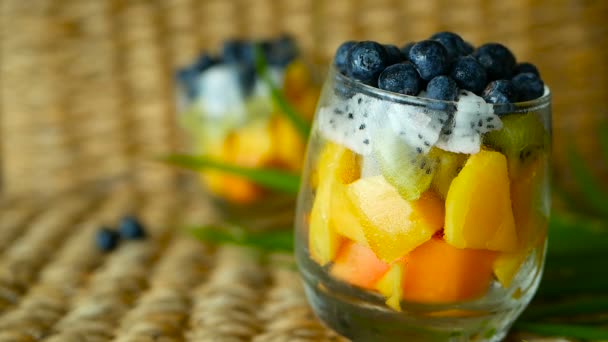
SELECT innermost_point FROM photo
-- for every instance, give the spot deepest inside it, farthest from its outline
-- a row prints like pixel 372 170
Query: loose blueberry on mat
pixel 405 49
pixel 528 86
pixel 341 58
pixel 130 228
pixel 469 74
pixel 526 67
pixel 282 51
pixel 499 91
pixel 400 78
pixel 394 54
pixel 452 42
pixel 497 59
pixel 430 58
pixel 106 239
pixel 442 88
pixel 366 60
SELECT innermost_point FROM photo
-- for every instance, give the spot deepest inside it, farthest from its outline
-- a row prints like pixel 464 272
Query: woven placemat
pixel 56 286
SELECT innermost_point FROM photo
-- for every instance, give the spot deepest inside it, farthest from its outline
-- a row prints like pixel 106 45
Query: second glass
pixel 400 240
pixel 228 112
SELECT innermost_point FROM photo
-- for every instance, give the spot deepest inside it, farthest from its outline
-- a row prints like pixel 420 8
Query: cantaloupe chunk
pixel 391 286
pixel 478 205
pixel 530 210
pixel 337 166
pixel 393 226
pixel 358 265
pixel 437 272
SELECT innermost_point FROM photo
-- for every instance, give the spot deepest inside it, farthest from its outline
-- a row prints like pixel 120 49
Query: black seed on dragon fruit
pixel 473 117
pixel 347 122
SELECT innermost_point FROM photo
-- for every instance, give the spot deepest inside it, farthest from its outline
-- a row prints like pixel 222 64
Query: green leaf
pixel 603 138
pixel 576 234
pixel 277 96
pixel 564 330
pixel 274 241
pixel 589 186
pixel 271 178
pixel 570 307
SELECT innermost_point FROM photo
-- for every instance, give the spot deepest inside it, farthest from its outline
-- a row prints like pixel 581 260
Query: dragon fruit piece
pixel 347 122
pixel 473 117
pixel 418 127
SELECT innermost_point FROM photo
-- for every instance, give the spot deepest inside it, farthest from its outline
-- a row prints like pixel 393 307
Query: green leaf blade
pixel 273 179
pixel 296 119
pixel 271 241
pixel 596 199
pixel 564 330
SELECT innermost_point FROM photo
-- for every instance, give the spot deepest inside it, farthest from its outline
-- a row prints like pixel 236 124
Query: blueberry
pixel 282 51
pixel 394 54
pixel 186 77
pixel 452 42
pixel 526 67
pixel 366 60
pixel 467 48
pixel 130 228
pixel 497 59
pixel 106 239
pixel 400 78
pixel 469 74
pixel 238 51
pixel 405 49
pixel 499 91
pixel 430 59
pixel 442 88
pixel 247 77
pixel 341 58
pixel 203 62
pixel 528 86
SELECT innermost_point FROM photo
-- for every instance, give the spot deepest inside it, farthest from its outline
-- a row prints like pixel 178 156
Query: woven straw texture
pixel 87 94
pixel 55 286
pixel 86 102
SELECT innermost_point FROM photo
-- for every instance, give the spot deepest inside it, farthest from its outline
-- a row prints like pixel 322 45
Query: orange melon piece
pixel 393 226
pixel 358 265
pixel 336 166
pixel 530 210
pixel 437 272
pixel 391 286
pixel 478 205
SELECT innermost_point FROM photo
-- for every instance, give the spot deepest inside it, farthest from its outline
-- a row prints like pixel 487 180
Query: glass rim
pixel 514 107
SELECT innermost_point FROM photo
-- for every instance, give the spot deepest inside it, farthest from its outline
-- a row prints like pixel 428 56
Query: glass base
pixel 362 316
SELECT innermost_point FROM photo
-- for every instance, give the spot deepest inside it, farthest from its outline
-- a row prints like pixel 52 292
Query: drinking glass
pixel 399 239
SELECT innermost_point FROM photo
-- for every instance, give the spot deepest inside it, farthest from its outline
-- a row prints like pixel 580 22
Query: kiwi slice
pixel 522 140
pixel 409 171
pixel 449 165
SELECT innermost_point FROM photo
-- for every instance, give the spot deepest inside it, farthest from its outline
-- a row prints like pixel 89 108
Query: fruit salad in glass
pixel 227 109
pixel 423 210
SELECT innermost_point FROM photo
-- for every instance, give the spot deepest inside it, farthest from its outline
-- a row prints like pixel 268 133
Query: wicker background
pixel 86 95
pixel 86 85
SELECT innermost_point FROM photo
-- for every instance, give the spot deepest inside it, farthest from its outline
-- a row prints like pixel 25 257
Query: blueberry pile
pixel 441 66
pixel 129 228
pixel 279 52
